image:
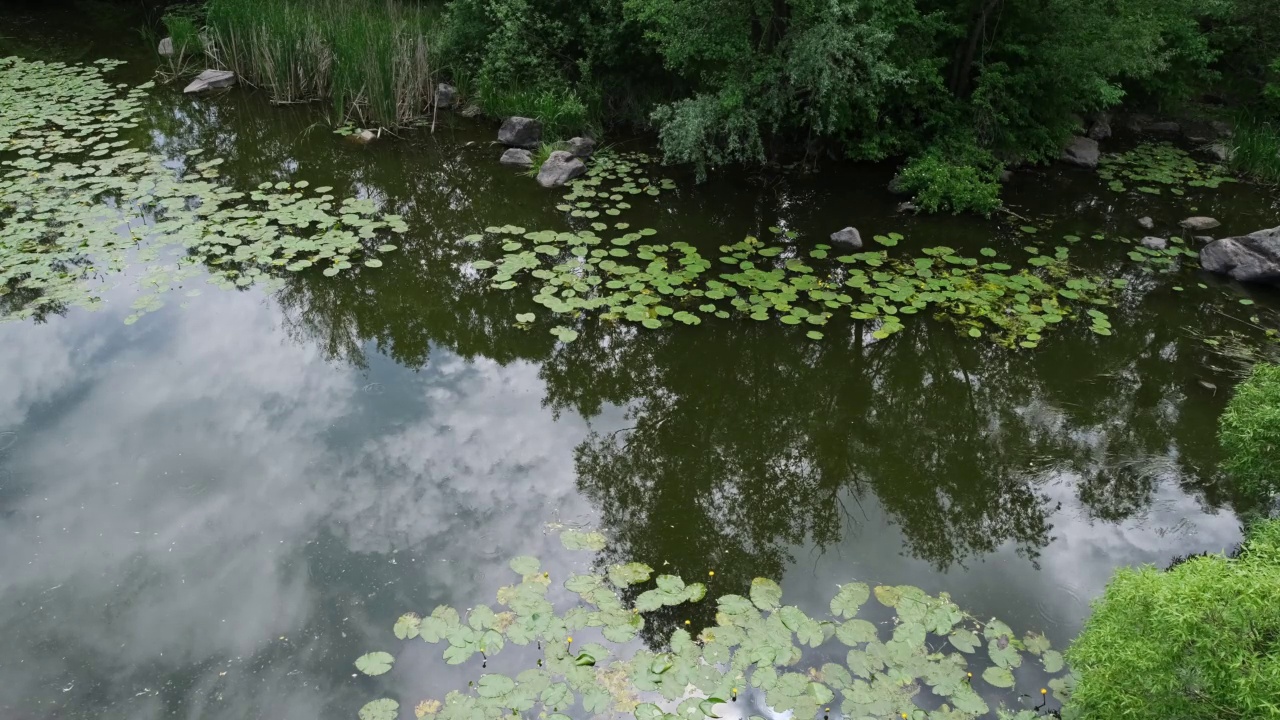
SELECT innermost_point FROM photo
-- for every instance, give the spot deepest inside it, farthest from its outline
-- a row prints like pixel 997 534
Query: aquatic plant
pixel 1255 148
pixel 1196 641
pixel 374 61
pixel 77 200
pixel 927 659
pixel 618 273
pixel 1154 167
pixel 1250 432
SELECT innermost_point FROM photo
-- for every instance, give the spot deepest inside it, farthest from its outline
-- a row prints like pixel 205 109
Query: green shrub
pixel 959 177
pixel 1250 432
pixel 183 25
pixel 1201 640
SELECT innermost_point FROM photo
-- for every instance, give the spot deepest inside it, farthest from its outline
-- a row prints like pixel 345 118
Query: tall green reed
pixel 1255 148
pixel 374 60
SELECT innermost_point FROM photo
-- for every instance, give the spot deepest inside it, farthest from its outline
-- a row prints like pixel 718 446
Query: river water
pixel 210 513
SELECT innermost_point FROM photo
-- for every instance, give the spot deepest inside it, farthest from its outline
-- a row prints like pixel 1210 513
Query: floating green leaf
pixel 375 663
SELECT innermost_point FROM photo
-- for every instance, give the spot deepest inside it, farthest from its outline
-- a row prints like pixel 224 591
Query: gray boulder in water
pixel 1199 223
pixel 166 47
pixel 517 157
pixel 446 95
pixel 848 236
pixel 211 80
pixel 1081 151
pixel 1152 242
pixel 1253 258
pixel 560 168
pixel 582 147
pixel 521 132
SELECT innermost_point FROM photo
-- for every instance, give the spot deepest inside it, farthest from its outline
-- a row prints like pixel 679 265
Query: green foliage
pixel 1149 167
pixel 957 179
pixel 1250 432
pixel 183 25
pixel 1255 148
pixel 77 201
pixel 1201 640
pixel 756 643
pixel 375 61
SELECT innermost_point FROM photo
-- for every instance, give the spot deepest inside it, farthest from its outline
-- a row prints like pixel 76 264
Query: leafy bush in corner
pixel 1201 640
pixel 1250 431
pixel 960 177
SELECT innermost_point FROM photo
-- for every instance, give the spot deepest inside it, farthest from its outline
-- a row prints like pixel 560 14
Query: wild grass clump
pixel 1255 149
pixel 183 26
pixel 562 112
pixel 1201 640
pixel 373 60
pixel 1250 432
pixel 541 153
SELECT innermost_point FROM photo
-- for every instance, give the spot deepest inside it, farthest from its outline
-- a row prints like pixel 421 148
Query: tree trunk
pixel 962 71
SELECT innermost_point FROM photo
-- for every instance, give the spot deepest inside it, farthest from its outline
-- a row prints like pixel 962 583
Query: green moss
pixel 1250 432
pixel 1201 640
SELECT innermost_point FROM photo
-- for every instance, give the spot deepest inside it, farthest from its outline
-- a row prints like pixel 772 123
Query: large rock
pixel 521 132
pixel 582 147
pixel 1146 223
pixel 1199 223
pixel 446 95
pixel 1081 151
pixel 1220 152
pixel 1152 242
pixel 848 236
pixel 1138 123
pixel 1253 258
pixel 560 168
pixel 470 111
pixel 517 157
pixel 898 186
pixel 1101 127
pixel 166 47
pixel 1222 128
pixel 211 80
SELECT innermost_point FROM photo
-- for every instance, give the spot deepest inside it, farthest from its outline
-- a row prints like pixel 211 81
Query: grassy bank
pixel 375 61
pixel 1255 149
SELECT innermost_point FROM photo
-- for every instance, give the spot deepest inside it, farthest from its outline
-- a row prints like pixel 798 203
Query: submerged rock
pixel 1220 151
pixel 848 236
pixel 1154 243
pixel 166 47
pixel 1198 132
pixel 446 95
pixel 560 168
pixel 364 137
pixel 470 111
pixel 1204 238
pixel 521 132
pixel 1081 151
pixel 1199 223
pixel 897 186
pixel 517 157
pixel 582 147
pixel 908 206
pixel 1006 176
pixel 211 80
pixel 1253 258
pixel 1101 127
pixel 1146 223
pixel 1222 128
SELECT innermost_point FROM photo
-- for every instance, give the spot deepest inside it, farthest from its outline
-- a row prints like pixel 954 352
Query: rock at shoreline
pixel 560 168
pixel 1198 132
pixel 1146 223
pixel 1220 151
pixel 897 186
pixel 211 80
pixel 521 132
pixel 1101 127
pixel 166 47
pixel 1081 151
pixel 1253 258
pixel 364 137
pixel 470 111
pixel 1154 243
pixel 848 236
pixel 582 147
pixel 1164 127
pixel 446 95
pixel 517 157
pixel 1199 223
pixel 1222 128
pixel 1138 123
pixel 908 206
pixel 1006 176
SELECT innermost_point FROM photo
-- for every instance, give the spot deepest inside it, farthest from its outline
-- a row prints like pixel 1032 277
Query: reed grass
pixel 373 60
pixel 1255 149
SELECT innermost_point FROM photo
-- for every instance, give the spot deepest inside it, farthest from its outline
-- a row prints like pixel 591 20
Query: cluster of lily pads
pixel 1154 167
pixel 76 201
pixel 590 197
pixel 629 277
pixel 909 654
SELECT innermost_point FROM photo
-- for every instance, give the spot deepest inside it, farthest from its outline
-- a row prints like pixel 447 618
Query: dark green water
pixel 212 512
